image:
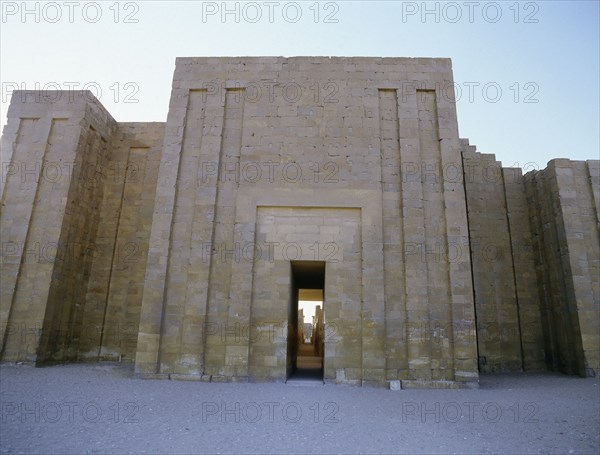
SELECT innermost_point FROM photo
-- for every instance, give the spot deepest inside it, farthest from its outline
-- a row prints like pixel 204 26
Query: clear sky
pixel 309 309
pixel 529 71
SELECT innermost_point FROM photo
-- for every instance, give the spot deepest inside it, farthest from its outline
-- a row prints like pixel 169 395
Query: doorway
pixel 306 325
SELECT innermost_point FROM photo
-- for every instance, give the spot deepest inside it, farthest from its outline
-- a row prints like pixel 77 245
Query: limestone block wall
pixel 534 243
pixel 183 245
pixel 248 139
pixel 113 296
pixel 522 248
pixel 509 329
pixel 498 330
pixel 564 205
pixel 77 205
pixel 52 144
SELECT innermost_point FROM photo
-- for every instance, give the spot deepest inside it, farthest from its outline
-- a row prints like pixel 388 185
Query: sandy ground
pixel 102 408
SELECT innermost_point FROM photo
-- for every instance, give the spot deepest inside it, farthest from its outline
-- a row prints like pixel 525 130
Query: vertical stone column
pixel 457 255
pixel 528 299
pixel 227 344
pixel 433 253
pixel 184 319
pixel 26 274
pixel 373 296
pixel 394 273
pixel 439 294
pixel 17 206
pixel 151 317
pixel 171 337
pixel 499 336
pixel 416 271
pixel 581 235
pixel 558 246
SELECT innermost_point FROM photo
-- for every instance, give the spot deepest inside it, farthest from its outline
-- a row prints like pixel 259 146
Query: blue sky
pixel 543 56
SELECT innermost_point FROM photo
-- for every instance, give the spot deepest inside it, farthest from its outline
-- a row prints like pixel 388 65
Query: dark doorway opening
pixel 305 346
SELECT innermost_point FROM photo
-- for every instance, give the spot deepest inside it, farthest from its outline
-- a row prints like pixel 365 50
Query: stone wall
pixel 114 294
pixel 509 330
pixel 182 246
pixel 522 249
pixel 564 206
pixel 54 142
pixel 252 139
pixel 534 242
pixel 77 206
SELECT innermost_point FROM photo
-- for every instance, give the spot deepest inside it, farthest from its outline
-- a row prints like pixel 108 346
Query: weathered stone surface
pixel 183 244
pixel 563 202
